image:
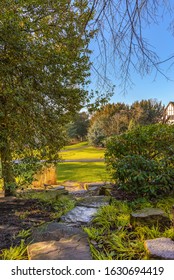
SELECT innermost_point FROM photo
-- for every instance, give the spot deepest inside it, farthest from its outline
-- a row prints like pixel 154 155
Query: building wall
pixel 170 113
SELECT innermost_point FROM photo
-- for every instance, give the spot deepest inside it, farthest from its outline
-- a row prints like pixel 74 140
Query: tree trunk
pixel 7 171
pixel 5 151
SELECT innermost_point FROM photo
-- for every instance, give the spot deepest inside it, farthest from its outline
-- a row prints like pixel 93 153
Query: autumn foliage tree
pixel 114 119
pixel 109 120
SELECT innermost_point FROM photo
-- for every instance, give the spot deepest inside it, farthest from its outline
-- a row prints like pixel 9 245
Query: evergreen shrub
pixel 141 161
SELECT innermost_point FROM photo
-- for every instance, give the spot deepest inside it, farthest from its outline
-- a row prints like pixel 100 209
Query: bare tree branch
pixel 120 37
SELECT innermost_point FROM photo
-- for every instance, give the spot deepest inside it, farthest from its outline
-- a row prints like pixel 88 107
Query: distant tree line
pixel 114 119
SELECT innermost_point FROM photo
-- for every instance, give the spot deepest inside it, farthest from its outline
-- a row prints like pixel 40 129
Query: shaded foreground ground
pixel 17 215
pixel 23 214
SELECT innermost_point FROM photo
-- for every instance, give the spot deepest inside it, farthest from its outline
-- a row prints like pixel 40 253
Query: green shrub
pixel 141 161
pixel 25 170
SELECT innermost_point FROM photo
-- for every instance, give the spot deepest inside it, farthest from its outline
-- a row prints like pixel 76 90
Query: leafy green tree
pixel 44 63
pixel 141 160
pixel 96 134
pixel 78 128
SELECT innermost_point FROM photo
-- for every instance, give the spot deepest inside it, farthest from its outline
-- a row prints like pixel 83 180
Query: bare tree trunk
pixel 5 151
pixel 7 171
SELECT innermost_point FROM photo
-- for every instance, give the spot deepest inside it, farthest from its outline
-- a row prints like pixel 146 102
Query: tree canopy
pixel 44 64
pixel 116 118
pixel 78 127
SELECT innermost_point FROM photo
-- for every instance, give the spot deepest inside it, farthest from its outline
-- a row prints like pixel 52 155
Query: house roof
pixel 171 102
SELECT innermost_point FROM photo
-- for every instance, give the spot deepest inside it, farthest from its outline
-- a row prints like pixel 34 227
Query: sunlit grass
pixel 82 172
pixel 87 152
pixel 76 146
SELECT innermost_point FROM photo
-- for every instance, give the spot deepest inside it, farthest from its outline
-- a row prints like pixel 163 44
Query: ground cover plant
pixel 111 236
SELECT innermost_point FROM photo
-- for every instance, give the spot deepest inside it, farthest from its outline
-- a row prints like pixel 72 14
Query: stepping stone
pixel 54 231
pixel 72 248
pixel 94 201
pixel 161 248
pixel 94 186
pixel 58 241
pixel 57 188
pixel 85 210
pixel 79 215
pixel 150 217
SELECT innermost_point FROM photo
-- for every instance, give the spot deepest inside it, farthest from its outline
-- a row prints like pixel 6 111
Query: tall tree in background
pixel 109 120
pixel 44 62
pixel 114 119
pixel 78 127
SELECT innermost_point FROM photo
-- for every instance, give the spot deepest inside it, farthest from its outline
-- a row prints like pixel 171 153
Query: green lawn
pixel 82 151
pixel 76 146
pixel 82 172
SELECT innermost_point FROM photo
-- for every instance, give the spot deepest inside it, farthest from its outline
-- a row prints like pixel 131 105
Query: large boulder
pixel 160 248
pixel 150 217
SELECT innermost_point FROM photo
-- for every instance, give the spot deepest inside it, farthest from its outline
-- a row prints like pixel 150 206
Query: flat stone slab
pixel 58 188
pixel 150 217
pixel 162 248
pixel 94 201
pixel 58 241
pixel 95 186
pixel 79 215
pixel 55 231
pixel 72 248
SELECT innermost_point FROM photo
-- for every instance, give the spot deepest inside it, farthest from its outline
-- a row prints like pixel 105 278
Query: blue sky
pixel 150 86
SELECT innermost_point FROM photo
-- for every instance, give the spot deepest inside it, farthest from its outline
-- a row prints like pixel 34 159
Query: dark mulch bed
pixel 19 214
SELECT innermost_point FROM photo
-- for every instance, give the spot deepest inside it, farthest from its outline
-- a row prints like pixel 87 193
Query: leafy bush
pixel 25 170
pixel 141 161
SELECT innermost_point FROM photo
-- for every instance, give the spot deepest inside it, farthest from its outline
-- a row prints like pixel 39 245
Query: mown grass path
pixel 82 163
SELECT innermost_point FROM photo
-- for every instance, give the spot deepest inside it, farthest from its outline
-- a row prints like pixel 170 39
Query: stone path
pixel 59 241
pixel 66 240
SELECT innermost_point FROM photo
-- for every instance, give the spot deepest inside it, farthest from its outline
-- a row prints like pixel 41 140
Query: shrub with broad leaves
pixel 141 161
